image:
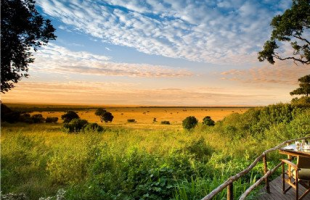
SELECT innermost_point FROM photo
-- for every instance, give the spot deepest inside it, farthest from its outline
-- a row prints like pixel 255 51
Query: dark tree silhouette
pixel 304 86
pixel 189 122
pixel 289 27
pixel 69 116
pixel 107 117
pixel 208 121
pixel 23 29
pixel 100 111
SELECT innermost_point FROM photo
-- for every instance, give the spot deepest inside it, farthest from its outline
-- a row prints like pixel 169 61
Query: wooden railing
pixel 229 182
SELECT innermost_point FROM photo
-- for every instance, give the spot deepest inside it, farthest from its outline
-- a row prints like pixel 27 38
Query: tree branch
pixel 303 39
pixel 293 58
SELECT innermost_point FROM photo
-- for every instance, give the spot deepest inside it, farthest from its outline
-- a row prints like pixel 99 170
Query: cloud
pixel 213 31
pixel 81 92
pixel 63 60
pixel 285 74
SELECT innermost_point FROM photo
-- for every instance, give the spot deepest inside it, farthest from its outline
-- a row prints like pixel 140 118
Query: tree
pixel 208 121
pixel 23 30
pixel 189 122
pixel 100 111
pixel 289 27
pixel 304 86
pixel 70 115
pixel 107 117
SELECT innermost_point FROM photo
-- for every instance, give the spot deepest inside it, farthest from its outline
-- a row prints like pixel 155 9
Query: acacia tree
pixel 304 86
pixel 290 27
pixel 23 30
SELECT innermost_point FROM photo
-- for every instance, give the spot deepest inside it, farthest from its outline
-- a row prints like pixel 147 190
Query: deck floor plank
pixel 276 192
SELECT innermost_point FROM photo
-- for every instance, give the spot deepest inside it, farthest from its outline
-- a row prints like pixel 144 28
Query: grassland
pixel 144 160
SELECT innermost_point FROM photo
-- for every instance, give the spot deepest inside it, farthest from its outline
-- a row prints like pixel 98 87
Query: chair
pixel 297 174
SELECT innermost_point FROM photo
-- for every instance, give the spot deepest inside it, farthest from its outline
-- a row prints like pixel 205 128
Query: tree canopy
pixel 290 27
pixel 304 86
pixel 23 30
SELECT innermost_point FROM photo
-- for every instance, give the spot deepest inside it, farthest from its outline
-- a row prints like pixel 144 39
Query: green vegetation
pixel 70 115
pixel 23 31
pixel 189 122
pixel 289 27
pixel 208 121
pixel 40 159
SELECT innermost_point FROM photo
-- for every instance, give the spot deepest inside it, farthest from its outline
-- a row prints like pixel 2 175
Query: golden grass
pixel 144 116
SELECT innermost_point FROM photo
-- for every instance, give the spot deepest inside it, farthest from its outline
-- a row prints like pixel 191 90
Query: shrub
pixel 199 149
pixel 189 122
pixel 93 127
pixel 75 125
pixel 26 118
pixel 100 111
pixel 11 117
pixel 165 122
pixel 70 115
pixel 107 117
pixel 131 120
pixel 208 121
pixel 37 118
pixel 51 120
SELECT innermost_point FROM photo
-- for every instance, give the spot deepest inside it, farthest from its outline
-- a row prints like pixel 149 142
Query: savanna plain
pixel 136 156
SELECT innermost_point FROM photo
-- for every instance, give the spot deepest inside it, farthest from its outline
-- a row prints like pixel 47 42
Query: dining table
pixel 293 150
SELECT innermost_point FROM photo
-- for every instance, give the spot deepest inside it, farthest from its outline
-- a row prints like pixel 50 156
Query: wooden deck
pixel 276 192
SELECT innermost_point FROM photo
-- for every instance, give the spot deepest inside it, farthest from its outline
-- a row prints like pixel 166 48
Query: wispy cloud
pixel 63 60
pixel 285 73
pixel 123 93
pixel 213 31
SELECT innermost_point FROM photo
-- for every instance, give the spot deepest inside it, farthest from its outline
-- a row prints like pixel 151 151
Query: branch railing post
pixel 265 172
pixel 230 192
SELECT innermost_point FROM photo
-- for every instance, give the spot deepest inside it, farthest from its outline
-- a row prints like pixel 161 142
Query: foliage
pixel 189 122
pixel 75 125
pixel 208 121
pixel 22 29
pixel 165 122
pixel 131 120
pixel 199 149
pixel 51 119
pixel 100 111
pixel 129 163
pixel 289 27
pixel 257 122
pixel 93 127
pixel 107 117
pixel 37 118
pixel 70 115
pixel 304 86
pixel 301 101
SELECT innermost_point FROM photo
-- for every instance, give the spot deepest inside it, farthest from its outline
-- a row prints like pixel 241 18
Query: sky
pixel 158 52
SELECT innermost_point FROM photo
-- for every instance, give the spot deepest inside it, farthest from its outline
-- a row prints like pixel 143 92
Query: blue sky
pixel 158 52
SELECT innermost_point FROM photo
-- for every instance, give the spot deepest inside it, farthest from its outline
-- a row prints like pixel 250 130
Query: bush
pixel 37 118
pixel 51 120
pixel 75 125
pixel 199 149
pixel 70 115
pixel 11 117
pixel 189 122
pixel 165 122
pixel 100 111
pixel 131 120
pixel 93 127
pixel 208 121
pixel 26 118
pixel 107 117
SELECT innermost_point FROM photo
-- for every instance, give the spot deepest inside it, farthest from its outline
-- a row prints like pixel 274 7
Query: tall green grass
pixel 144 164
